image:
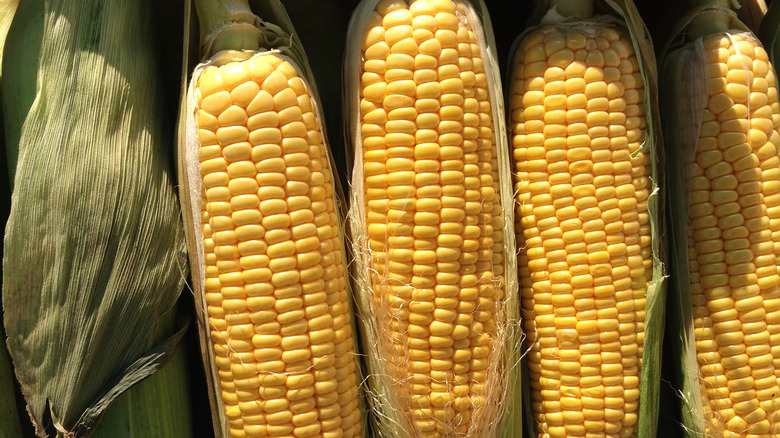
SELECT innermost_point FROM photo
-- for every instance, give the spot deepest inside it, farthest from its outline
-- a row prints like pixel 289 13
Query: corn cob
pixel 735 285
pixel 274 283
pixel 728 147
pixel 578 126
pixel 427 194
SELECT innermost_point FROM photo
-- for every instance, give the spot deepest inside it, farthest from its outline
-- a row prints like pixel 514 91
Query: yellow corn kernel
pixel 733 293
pixel 433 217
pixel 583 226
pixel 275 279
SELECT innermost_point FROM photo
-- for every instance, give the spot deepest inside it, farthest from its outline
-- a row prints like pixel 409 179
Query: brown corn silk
pixel 265 233
pixel 428 225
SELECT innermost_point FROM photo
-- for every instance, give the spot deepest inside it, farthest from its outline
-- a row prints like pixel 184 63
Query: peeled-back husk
pixel 503 415
pixel 94 254
pixel 624 15
pixel 277 36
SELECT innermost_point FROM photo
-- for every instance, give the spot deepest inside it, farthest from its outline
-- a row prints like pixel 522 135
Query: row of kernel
pixel 266 233
pixel 715 191
pixel 562 68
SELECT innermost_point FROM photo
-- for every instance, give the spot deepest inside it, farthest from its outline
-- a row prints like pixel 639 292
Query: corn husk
pixel 161 404
pixel 624 15
pixel 502 416
pixel 751 13
pixel 270 29
pixel 769 32
pixel 684 88
pixel 10 425
pixel 17 90
pixel 94 255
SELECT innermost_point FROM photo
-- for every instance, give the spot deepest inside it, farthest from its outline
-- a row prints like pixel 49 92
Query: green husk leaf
pixel 769 32
pixel 388 417
pixel 94 254
pixel 752 13
pixel 684 77
pixel 10 427
pixel 681 130
pixel 213 38
pixel 160 404
pixel 7 12
pixel 20 70
pixel 623 14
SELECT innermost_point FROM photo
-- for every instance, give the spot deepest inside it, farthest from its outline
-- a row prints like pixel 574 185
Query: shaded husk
pixel 20 70
pixel 769 32
pixel 159 405
pixel 684 79
pixel 277 35
pixel 10 426
pixel 752 13
pixel 94 254
pixel 502 415
pixel 624 15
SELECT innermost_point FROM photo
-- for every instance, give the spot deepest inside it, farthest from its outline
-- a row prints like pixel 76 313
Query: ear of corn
pixel 94 258
pixel 263 220
pixel 430 220
pixel 723 150
pixel 583 125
